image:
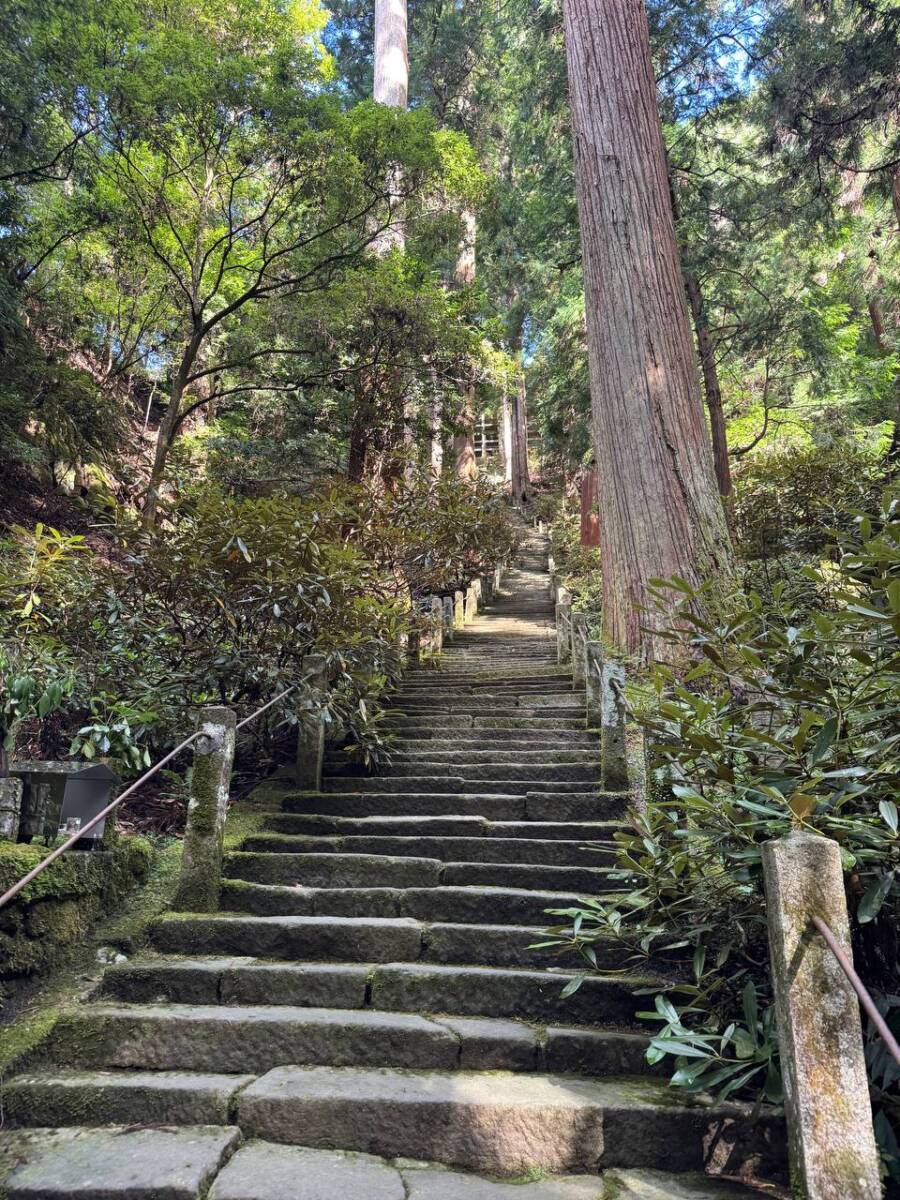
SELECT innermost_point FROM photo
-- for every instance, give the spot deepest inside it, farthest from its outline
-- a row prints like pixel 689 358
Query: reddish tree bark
pixel 661 514
pixel 464 439
pixel 711 387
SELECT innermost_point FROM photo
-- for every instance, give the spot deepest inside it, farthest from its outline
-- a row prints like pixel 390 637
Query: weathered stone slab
pixel 113 1164
pixel 265 1171
pixel 659 1185
pixel 250 1038
pixel 435 1184
pixel 494 1045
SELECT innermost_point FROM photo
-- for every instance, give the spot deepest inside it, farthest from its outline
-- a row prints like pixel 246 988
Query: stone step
pixel 239 1039
pixel 62 1096
pixel 337 869
pixel 519 723
pixel 585 768
pixel 499 706
pixel 313 825
pixel 495 849
pixel 536 805
pixel 506 993
pixel 431 778
pixel 523 739
pixel 490 1121
pixel 113 1163
pixel 266 1171
pixel 460 905
pixel 427 751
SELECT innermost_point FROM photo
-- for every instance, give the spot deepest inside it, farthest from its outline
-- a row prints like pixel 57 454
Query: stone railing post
pixel 579 640
pixel 470 611
pixel 593 666
pixel 613 749
pixel 311 729
pixel 563 624
pixel 10 808
pixel 459 610
pixel 432 640
pixel 829 1115
pixel 498 576
pixel 201 860
pixel 447 603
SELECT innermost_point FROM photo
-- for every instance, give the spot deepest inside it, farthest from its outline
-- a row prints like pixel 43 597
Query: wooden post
pixel 829 1115
pixel 201 862
pixel 311 729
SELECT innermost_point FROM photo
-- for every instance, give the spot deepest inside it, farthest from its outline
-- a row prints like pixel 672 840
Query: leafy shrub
pixel 781 721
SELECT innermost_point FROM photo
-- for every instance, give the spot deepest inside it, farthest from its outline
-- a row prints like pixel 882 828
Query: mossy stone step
pixel 422 846
pixel 169 1096
pixel 318 825
pixel 462 905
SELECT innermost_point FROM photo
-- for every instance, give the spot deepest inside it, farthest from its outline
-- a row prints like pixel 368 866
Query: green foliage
pixel 782 720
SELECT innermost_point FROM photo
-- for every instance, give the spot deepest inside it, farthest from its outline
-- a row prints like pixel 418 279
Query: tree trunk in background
pixel 464 439
pixel 436 436
pixel 661 514
pixel 711 388
pixel 505 438
pixel 521 481
pixel 391 87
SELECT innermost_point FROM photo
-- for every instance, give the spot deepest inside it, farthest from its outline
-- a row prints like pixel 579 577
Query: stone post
pixel 498 576
pixel 448 617
pixel 579 639
pixel 311 729
pixel 471 605
pixel 613 751
pixel 829 1116
pixel 459 610
pixel 201 860
pixel 10 808
pixel 487 587
pixel 593 665
pixel 431 642
pixel 563 625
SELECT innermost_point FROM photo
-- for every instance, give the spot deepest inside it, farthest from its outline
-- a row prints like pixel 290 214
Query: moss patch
pixel 51 917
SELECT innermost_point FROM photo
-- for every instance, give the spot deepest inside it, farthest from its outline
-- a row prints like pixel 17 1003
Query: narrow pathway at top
pixel 369 993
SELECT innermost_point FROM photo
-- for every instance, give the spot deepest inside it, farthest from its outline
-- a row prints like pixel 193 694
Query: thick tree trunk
pixel 464 439
pixel 521 480
pixel 168 428
pixel 711 387
pixel 505 438
pixel 660 510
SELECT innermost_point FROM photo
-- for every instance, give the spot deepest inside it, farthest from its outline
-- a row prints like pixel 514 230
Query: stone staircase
pixel 365 1018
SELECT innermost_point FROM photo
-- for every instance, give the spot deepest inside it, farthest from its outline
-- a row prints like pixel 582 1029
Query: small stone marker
pixel 829 1115
pixel 201 862
pixel 613 752
pixel 311 731
pixel 593 665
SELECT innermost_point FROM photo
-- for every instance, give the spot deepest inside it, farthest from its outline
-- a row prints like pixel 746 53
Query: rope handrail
pixel 859 987
pixel 13 891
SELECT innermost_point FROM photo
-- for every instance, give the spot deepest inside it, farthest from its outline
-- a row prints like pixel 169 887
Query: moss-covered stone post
pixel 311 727
pixel 10 808
pixel 448 617
pixel 563 625
pixel 593 665
pixel 613 751
pixel 829 1116
pixel 579 639
pixel 459 610
pixel 201 861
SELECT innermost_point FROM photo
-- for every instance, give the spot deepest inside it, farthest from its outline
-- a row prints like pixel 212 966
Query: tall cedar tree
pixel 662 515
